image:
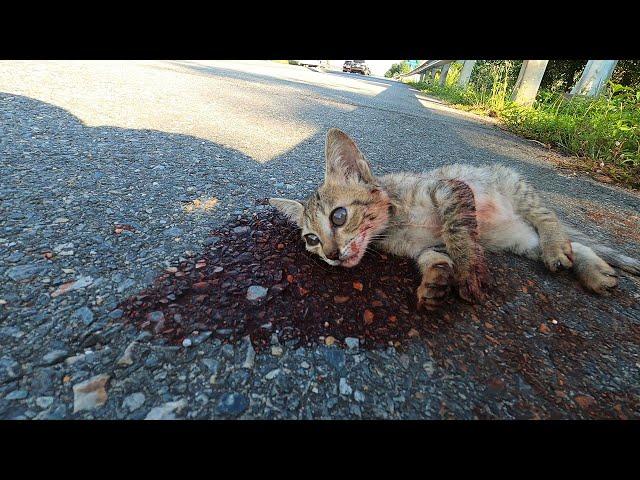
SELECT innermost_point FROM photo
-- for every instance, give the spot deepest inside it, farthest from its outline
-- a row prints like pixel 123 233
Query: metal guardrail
pixel 593 78
pixel 427 65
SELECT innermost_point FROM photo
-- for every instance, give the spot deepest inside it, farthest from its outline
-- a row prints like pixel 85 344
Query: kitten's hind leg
pixel 593 272
pixel 554 240
pixel 437 278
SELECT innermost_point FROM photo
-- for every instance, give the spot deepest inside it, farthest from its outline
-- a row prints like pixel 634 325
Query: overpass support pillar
pixel 443 74
pixel 594 77
pixel 429 75
pixel 526 88
pixel 465 73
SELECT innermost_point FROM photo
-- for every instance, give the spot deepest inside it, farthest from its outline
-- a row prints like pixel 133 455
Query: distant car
pixel 310 63
pixel 358 66
pixel 346 67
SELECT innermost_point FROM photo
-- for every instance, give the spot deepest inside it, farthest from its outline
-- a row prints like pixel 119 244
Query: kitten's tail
pixel 609 255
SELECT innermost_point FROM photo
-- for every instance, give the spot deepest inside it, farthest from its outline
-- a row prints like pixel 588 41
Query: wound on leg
pixel 455 201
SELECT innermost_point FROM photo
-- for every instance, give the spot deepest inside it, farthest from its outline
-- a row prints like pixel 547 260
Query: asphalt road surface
pixel 114 172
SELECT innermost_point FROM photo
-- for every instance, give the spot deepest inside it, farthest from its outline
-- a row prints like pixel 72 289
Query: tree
pixel 398 69
pixel 627 73
pixel 561 75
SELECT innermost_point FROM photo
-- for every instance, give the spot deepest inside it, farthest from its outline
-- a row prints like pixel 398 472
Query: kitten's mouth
pixel 351 261
pixel 356 249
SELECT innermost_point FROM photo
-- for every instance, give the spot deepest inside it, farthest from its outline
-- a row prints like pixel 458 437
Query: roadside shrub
pixel 605 128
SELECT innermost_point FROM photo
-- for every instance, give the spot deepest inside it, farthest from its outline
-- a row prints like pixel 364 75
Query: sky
pixel 377 67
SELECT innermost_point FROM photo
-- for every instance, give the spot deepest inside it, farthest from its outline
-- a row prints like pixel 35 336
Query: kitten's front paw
pixel 472 280
pixel 435 286
pixel 557 255
pixel 470 287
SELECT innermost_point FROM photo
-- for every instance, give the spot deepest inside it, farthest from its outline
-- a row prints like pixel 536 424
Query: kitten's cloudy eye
pixel 339 216
pixel 311 239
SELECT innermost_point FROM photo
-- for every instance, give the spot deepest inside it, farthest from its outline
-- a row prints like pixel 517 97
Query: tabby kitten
pixel 444 219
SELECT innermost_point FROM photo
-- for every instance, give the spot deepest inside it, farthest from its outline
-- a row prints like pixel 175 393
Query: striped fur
pixel 445 219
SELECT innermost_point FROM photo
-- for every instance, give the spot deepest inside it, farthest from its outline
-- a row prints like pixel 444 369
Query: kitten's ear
pixel 290 208
pixel 344 161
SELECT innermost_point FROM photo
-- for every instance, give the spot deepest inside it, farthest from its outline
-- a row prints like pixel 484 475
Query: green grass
pixel 604 132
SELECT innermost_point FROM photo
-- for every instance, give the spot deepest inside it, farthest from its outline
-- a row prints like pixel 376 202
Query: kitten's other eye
pixel 311 239
pixel 339 216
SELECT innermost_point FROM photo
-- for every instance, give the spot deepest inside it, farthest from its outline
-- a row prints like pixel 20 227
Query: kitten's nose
pixel 333 255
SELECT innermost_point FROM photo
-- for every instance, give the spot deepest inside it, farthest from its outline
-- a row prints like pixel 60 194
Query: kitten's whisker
pixel 410 225
pixel 373 250
pixel 319 263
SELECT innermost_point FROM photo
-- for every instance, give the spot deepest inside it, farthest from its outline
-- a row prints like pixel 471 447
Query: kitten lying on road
pixel 445 219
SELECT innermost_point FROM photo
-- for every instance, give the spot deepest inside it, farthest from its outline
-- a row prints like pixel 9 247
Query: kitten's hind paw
pixel 598 277
pixel 435 286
